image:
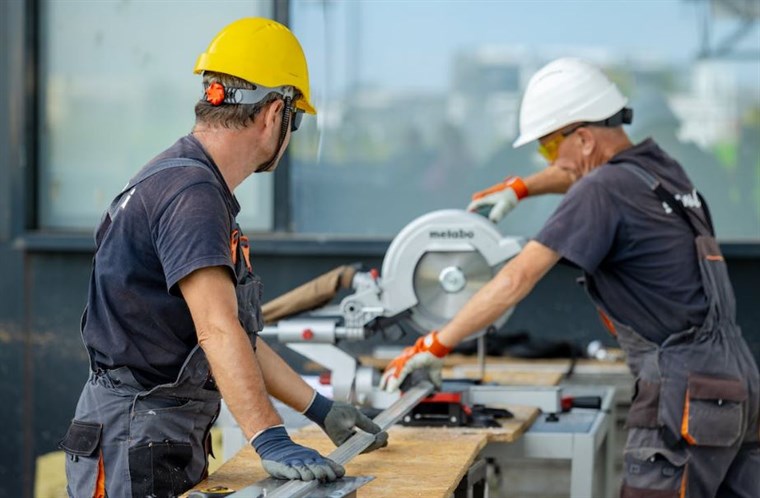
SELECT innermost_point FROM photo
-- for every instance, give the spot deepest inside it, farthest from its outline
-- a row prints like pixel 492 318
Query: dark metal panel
pixel 16 462
pixel 57 291
pixel 272 244
pixel 31 99
pixel 281 11
pixel 282 207
pixel 265 244
pixel 13 118
pixel 12 365
pixel 55 242
pixel 5 132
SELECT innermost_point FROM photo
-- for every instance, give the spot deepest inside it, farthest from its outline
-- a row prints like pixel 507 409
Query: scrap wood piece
pixel 311 295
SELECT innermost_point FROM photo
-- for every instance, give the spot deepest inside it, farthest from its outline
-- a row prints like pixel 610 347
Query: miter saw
pixel 431 269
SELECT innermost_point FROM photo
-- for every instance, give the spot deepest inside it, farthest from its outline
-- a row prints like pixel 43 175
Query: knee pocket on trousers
pixel 653 473
pixel 82 447
pixel 713 411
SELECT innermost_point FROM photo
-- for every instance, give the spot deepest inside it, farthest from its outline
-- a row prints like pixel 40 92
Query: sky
pixel 409 43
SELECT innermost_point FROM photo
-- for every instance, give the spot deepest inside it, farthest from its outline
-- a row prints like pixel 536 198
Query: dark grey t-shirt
pixel 638 252
pixel 175 222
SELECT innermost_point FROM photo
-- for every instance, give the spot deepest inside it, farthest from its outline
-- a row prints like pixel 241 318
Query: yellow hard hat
pixel 260 51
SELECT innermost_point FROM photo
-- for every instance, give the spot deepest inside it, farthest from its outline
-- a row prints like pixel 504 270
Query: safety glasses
pixel 549 148
pixel 295 119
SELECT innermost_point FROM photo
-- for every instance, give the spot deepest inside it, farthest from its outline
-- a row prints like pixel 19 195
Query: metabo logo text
pixel 452 234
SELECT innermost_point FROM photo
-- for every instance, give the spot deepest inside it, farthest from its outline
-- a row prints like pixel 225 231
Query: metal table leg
pixel 473 483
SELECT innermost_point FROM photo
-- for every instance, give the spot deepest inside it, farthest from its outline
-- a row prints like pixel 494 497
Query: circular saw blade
pixel 443 282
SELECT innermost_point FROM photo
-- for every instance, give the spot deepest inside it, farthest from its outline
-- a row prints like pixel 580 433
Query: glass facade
pixel 117 88
pixel 418 102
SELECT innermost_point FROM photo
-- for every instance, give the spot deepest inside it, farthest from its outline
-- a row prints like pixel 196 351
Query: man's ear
pixel 271 112
pixel 588 141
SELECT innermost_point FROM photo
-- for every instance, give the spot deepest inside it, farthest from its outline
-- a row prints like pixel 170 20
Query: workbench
pixel 419 462
pixel 585 439
pixel 590 440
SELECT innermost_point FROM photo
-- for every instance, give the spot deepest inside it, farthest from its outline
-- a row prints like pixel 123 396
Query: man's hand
pixel 338 420
pixel 499 199
pixel 564 172
pixel 427 353
pixel 284 459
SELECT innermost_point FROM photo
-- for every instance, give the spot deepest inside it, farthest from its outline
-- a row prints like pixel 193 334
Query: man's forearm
pixel 550 180
pixel 513 282
pixel 281 380
pixel 236 371
pixel 484 308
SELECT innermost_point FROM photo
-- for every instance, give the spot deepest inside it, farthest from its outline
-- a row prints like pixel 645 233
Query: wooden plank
pixel 419 462
pixel 508 363
pixel 453 360
pixel 504 377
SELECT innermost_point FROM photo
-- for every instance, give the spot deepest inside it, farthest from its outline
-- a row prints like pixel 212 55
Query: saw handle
pixel 484 210
pixel 414 378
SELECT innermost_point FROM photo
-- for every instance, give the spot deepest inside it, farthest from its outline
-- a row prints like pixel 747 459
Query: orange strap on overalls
pixel 246 252
pixel 100 482
pixel 242 240
pixel 607 322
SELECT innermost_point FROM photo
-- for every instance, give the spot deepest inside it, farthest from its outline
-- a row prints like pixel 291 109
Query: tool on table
pixel 275 488
pixel 450 407
pixel 345 487
pixel 450 410
pixel 215 492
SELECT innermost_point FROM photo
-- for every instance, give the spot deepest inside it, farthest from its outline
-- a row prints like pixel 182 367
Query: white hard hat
pixel 566 91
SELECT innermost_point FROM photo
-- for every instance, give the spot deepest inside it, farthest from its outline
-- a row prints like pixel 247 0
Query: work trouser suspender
pixel 117 204
pixel 668 198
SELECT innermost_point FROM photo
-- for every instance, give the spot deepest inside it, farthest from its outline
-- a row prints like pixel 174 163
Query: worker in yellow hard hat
pixel 632 220
pixel 174 305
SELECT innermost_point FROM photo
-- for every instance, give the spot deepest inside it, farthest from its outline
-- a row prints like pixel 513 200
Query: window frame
pixel 19 175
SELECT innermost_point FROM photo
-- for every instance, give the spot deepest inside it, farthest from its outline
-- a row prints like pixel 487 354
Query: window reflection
pixel 117 88
pixel 418 115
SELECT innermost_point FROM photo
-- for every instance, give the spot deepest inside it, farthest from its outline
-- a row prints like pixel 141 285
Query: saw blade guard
pixel 438 261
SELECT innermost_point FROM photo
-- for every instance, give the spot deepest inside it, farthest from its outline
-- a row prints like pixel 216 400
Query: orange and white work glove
pixel 426 353
pixel 499 199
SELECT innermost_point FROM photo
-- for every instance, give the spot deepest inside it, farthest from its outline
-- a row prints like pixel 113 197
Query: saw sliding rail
pixel 355 444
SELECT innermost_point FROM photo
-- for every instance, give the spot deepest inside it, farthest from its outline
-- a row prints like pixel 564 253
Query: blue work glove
pixel 338 420
pixel 284 459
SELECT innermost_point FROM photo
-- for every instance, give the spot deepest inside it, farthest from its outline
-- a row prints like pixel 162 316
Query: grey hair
pixel 235 116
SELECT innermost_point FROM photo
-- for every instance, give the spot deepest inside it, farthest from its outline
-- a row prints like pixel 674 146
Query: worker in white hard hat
pixel 634 223
pixel 174 305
